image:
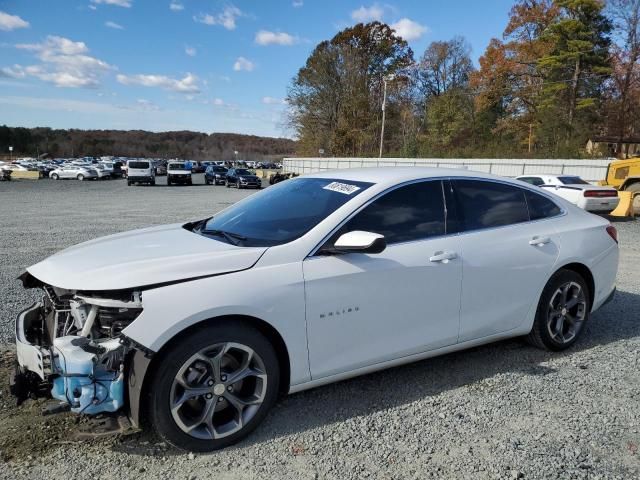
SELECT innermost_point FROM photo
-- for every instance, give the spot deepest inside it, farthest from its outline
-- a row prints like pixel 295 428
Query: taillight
pixel 613 233
pixel 601 193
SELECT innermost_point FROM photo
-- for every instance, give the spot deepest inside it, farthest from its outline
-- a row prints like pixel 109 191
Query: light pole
pixel 11 154
pixel 235 155
pixel 386 79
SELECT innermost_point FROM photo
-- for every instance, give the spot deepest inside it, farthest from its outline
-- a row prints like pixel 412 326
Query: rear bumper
pixel 606 204
pixel 141 179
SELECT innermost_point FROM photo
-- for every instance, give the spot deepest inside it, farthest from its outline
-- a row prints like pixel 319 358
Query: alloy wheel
pixel 218 390
pixel 566 312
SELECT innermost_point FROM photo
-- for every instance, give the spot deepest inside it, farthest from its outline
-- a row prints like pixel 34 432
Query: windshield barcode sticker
pixel 341 188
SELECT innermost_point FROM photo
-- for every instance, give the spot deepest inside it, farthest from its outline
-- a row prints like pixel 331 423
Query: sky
pixel 202 65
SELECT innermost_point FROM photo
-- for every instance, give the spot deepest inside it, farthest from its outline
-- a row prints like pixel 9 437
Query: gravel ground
pixel 504 410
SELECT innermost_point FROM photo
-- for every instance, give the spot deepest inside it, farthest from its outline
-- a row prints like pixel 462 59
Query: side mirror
pixel 360 242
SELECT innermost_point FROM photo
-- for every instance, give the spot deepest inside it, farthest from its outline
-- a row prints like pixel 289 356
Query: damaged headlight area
pixel 70 344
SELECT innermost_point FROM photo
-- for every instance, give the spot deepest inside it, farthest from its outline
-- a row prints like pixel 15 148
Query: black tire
pixel 80 177
pixel 541 335
pixel 153 183
pixel 129 183
pixel 55 176
pixel 635 188
pixel 227 184
pixel 178 354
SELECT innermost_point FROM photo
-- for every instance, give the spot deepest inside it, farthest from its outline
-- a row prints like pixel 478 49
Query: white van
pixel 140 171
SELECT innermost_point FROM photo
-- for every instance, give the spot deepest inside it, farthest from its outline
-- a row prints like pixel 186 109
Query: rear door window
pixel 484 204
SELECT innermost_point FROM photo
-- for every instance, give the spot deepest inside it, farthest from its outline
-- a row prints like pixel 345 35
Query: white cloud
pixel 265 37
pixel 273 101
pixel 11 22
pixel 218 102
pixel 65 63
pixel 176 7
pixel 118 3
pixel 191 51
pixel 16 71
pixel 113 25
pixel 408 29
pixel 227 18
pixel 188 84
pixel 147 105
pixel 297 3
pixel 243 64
pixel 368 14
pixel 92 7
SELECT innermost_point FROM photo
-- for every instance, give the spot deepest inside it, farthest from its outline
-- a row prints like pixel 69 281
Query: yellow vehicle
pixel 624 175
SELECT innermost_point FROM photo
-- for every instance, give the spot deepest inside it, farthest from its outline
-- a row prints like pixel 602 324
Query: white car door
pixel 508 245
pixel 363 309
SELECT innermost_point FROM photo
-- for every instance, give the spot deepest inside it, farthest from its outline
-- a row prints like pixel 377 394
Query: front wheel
pixel 80 177
pixel 55 176
pixel 213 387
pixel 563 310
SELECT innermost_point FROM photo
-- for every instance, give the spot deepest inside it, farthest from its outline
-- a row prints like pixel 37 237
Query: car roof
pixel 395 175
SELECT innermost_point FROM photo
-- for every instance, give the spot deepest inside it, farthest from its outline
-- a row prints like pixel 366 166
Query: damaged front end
pixel 69 346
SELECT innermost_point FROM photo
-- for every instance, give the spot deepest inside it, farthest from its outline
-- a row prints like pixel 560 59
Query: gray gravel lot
pixel 504 410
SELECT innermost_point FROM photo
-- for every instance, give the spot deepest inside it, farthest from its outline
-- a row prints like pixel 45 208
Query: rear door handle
pixel 443 257
pixel 539 241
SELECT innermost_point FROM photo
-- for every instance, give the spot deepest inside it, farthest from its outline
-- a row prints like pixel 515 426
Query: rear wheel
pixel 635 188
pixel 55 176
pixel 80 177
pixel 214 387
pixel 562 312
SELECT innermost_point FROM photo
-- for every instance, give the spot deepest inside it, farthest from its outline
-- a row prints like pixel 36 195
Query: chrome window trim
pixel 532 188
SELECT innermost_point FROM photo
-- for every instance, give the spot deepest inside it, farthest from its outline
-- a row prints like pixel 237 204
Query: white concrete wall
pixel 591 170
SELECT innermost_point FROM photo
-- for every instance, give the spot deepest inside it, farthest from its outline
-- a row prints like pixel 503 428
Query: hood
pixel 141 258
pixel 248 177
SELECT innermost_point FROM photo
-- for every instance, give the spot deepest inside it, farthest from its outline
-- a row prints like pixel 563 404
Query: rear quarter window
pixel 540 206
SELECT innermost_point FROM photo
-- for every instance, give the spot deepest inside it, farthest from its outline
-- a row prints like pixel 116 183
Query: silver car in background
pixel 74 171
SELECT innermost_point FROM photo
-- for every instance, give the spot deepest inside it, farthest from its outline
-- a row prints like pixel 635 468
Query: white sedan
pixel 74 171
pixel 349 271
pixel 593 198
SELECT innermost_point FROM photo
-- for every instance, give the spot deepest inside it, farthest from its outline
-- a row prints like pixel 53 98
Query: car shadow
pixel 403 385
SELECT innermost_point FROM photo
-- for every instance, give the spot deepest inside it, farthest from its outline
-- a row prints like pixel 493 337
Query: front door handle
pixel 443 257
pixel 539 241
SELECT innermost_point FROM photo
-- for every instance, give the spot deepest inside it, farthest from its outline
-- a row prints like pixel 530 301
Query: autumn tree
pixel 335 98
pixel 625 92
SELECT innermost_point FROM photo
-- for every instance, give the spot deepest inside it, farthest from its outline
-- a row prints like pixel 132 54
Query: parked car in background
pixel 108 167
pixel 215 175
pixel 141 171
pixel 350 271
pixel 79 172
pixel 242 178
pixel 178 173
pixel 592 198
pixel 102 172
pixel 161 168
pixel 197 167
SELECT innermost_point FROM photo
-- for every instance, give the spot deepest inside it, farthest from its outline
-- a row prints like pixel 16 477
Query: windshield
pixel 219 169
pixel 284 212
pixel 177 166
pixel 572 181
pixel 138 164
pixel 243 171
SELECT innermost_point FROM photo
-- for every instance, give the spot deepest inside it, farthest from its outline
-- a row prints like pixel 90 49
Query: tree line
pixel 138 143
pixel 562 72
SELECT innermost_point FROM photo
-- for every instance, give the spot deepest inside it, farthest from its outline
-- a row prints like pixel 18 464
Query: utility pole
pixel 530 134
pixel 384 103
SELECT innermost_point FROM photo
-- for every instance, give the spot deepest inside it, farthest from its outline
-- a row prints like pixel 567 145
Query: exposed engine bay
pixel 70 347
